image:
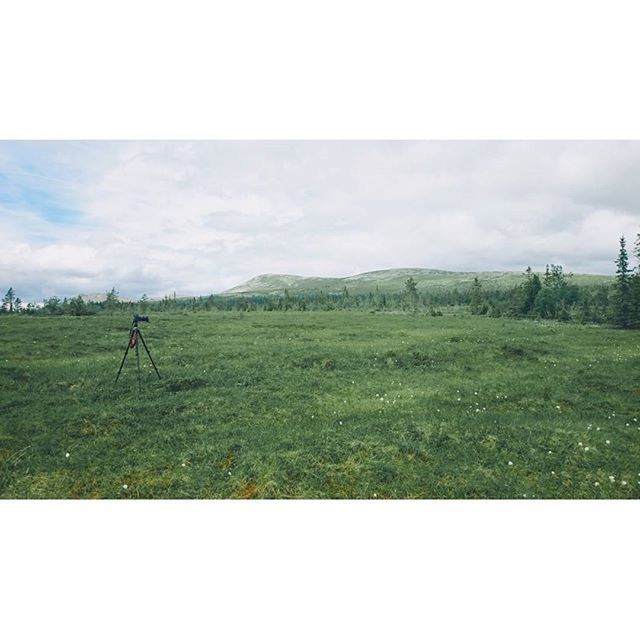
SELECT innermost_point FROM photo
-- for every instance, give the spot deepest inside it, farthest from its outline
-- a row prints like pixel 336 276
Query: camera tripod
pixel 135 335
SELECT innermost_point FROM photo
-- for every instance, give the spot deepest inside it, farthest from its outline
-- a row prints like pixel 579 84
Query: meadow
pixel 318 405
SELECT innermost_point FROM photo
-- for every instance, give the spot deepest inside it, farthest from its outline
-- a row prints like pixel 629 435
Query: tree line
pixel 553 295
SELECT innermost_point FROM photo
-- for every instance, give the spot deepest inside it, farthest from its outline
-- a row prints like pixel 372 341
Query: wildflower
pixel 125 486
pixel 510 463
pixel 553 473
pixel 375 495
pixel 558 407
pixel 612 478
pixel 586 448
pixel 66 455
pixel 597 484
pixel 229 472
pixel 579 444
pixel 549 451
pixel 608 441
pixel 623 482
pixel 184 464
pixel 340 422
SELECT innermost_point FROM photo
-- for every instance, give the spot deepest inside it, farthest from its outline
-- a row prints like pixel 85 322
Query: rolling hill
pixel 388 280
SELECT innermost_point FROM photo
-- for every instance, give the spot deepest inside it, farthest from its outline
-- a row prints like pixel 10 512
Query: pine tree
pixel 621 311
pixel 9 300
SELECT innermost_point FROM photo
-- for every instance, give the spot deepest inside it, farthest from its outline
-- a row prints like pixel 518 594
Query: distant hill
pixel 388 280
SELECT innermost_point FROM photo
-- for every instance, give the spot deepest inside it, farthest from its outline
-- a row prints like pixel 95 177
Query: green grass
pixel 319 405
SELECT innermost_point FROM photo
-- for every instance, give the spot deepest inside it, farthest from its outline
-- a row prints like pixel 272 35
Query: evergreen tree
pixel 622 307
pixel 9 300
pixel 18 305
pixel 411 293
pixel 112 301
pixel 476 297
pixel 531 288
pixel 77 307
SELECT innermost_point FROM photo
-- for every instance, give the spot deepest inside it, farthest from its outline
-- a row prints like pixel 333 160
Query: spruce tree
pixel 621 309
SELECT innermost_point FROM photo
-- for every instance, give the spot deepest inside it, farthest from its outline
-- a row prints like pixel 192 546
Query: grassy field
pixel 319 405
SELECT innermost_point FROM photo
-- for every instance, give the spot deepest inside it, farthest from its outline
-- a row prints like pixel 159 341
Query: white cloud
pixel 198 217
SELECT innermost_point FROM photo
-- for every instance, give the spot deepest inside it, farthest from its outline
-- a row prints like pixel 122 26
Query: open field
pixel 319 405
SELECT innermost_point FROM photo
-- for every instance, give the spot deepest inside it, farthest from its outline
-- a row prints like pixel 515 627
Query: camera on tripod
pixel 135 334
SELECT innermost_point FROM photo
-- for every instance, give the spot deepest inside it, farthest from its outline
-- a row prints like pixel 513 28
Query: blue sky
pixel 199 217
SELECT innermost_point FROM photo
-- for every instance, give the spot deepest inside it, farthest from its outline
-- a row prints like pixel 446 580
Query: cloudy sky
pixel 200 217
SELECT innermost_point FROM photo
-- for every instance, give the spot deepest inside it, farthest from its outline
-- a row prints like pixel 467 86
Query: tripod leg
pixel 126 351
pixel 138 363
pixel 149 354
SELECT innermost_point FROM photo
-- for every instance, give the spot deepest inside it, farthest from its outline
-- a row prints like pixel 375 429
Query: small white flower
pixel 597 428
pixel 608 441
pixel 597 484
pixel 340 422
pixel 579 444
pixel 558 407
pixel 623 482
pixel 184 464
pixel 66 455
pixel 125 486
pixel 510 463
pixel 375 495
pixel 612 478
pixel 549 451
pixel 586 448
pixel 553 473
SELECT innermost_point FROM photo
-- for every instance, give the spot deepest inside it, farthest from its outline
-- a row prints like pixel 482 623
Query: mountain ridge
pixel 387 280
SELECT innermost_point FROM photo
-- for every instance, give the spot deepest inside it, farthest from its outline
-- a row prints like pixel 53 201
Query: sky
pixel 200 217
